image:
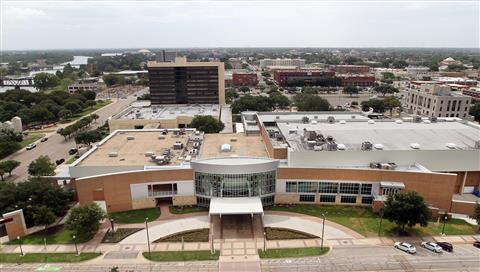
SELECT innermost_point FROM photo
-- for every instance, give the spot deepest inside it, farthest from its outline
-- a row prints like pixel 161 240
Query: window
pixel 349 188
pixel 307 187
pixel 348 199
pixel 307 198
pixel 327 198
pixel 367 199
pixel 366 189
pixel 328 187
pixel 291 187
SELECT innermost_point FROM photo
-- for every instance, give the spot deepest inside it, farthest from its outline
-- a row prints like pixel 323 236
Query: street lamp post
pixel 76 247
pixel 445 217
pixel 380 226
pixel 20 244
pixel 148 238
pixel 323 228
pixel 264 241
pixel 112 223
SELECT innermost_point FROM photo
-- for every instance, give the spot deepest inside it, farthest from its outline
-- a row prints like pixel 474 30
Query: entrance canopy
pixel 235 205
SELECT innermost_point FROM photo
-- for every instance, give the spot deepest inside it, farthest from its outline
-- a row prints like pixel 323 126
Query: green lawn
pixel 118 235
pixel 186 209
pixel 135 216
pixel 100 104
pixel 292 252
pixel 286 234
pixel 71 160
pixel 365 222
pixel 32 137
pixel 54 235
pixel 47 257
pixel 200 235
pixel 179 256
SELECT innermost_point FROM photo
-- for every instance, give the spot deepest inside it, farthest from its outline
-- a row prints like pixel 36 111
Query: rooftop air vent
pixel 415 146
pixel 477 144
pixel 451 145
pixel 343 122
pixel 341 147
pixel 277 117
pixel 129 138
pixel 371 122
pixel 426 121
pixel 367 146
pixel 331 119
pixel 417 119
pixel 314 122
pixel 378 146
pixel 433 119
pixel 113 154
pixel 399 121
pixel 332 146
pixel 353 117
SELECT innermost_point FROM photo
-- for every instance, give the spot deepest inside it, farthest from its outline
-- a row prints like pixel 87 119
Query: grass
pixel 71 160
pixel 292 252
pixel 186 209
pixel 179 256
pixel 365 222
pixel 286 234
pixel 200 235
pixel 100 104
pixel 118 235
pixel 47 257
pixel 135 216
pixel 30 138
pixel 54 235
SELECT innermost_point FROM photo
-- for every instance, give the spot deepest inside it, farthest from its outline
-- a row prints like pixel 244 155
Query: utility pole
pixel 148 239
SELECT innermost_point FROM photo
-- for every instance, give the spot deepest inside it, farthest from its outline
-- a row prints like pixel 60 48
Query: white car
pixel 432 247
pixel 405 247
pixel 31 146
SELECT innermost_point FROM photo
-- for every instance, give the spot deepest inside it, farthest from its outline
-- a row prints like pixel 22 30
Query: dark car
pixel 44 139
pixel 446 246
pixel 59 161
pixel 476 244
pixel 72 151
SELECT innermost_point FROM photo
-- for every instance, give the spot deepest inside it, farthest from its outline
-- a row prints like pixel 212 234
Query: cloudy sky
pixel 248 23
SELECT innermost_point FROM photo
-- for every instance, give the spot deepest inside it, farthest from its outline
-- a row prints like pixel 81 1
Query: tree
pixel 111 80
pixel 279 100
pixel 406 209
pixel 252 103
pixel 43 216
pixel 390 103
pixel 84 221
pixel 94 116
pixel 399 64
pixel 9 165
pixel 310 102
pixel 88 137
pixel 2 173
pixel 476 213
pixel 207 124
pixel 385 88
pixel 244 89
pixel 475 111
pixel 351 90
pixel 64 114
pixel 266 74
pixel 231 95
pixel 455 67
pixel 376 104
pixel 73 106
pixel 90 103
pixel 43 81
pixel 42 166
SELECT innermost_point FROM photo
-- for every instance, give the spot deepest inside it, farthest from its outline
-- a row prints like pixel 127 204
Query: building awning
pixel 236 205
pixel 392 184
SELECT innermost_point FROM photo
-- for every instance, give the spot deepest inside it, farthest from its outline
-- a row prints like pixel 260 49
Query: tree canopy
pixel 351 90
pixel 84 221
pixel 406 209
pixel 378 105
pixel 43 81
pixel 310 102
pixel 252 103
pixel 475 111
pixel 42 166
pixel 390 103
pixel 385 89
pixel 207 124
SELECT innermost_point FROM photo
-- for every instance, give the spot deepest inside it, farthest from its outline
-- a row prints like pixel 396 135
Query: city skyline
pixel 193 24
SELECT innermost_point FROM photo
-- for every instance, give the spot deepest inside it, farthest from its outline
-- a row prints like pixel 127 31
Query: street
pixel 56 147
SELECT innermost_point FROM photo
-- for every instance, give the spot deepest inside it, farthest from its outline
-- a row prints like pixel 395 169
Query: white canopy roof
pixel 237 205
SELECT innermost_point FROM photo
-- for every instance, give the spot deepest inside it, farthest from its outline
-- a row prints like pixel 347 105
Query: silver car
pixel 405 247
pixel 432 247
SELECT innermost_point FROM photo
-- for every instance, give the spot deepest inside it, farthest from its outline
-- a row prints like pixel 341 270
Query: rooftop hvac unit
pixel 310 135
pixel 271 133
pixel 417 119
pixel 375 165
pixel 113 154
pixel 317 148
pixel 233 140
pixel 371 122
pixel 415 146
pixel 314 122
pixel 451 145
pixel 329 138
pixel 279 137
pixel 129 138
pixel 426 121
pixel 277 117
pixel 332 146
pixel 315 117
pixel 341 147
pixel 378 146
pixel 149 153
pixel 366 146
pixel 399 121
pixel 353 116
pixel 292 131
pixel 331 119
pixel 161 137
pixel 477 144
pixel 433 119
pixel 343 122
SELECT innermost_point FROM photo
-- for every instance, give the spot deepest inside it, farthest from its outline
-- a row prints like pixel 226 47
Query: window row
pixel 347 199
pixel 328 187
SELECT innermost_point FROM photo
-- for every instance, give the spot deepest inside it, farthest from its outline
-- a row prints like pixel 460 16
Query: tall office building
pixel 166 56
pixel 183 82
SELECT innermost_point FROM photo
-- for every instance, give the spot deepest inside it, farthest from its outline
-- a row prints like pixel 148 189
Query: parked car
pixel 59 161
pixel 445 246
pixel 405 247
pixel 432 247
pixel 31 146
pixel 476 244
pixel 72 151
pixel 44 139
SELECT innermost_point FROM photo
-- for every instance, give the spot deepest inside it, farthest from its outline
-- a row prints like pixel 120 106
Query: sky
pixel 80 24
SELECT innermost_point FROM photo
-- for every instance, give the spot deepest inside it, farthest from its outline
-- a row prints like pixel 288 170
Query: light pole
pixel 76 247
pixel 20 244
pixel 112 223
pixel 445 217
pixel 264 241
pixel 380 226
pixel 148 238
pixel 323 228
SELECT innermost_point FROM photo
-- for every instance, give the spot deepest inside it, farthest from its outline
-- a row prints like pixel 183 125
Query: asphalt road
pixel 57 147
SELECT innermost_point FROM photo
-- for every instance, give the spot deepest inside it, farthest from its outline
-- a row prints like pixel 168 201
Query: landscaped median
pixel 292 252
pixel 54 235
pixel 181 256
pixel 135 216
pixel 47 257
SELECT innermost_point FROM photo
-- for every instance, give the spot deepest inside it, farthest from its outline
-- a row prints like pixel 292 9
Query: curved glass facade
pixel 236 185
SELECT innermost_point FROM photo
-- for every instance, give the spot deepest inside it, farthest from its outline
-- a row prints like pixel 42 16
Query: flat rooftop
pixel 312 115
pixel 390 134
pixel 132 146
pixel 241 146
pixel 143 110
